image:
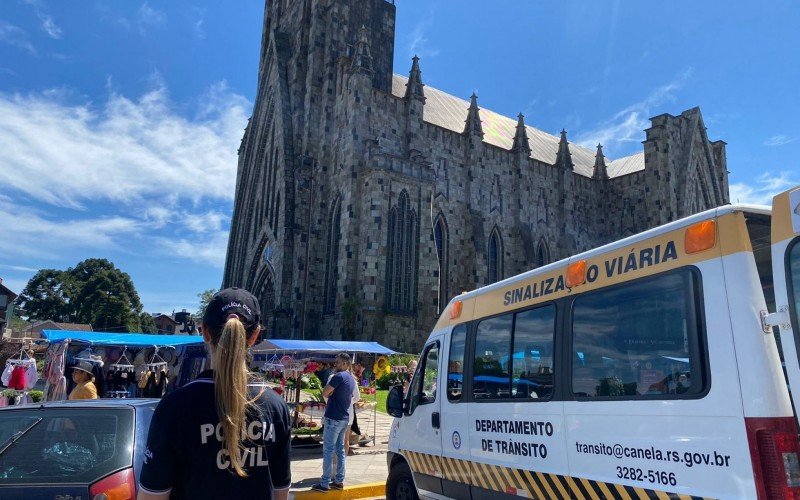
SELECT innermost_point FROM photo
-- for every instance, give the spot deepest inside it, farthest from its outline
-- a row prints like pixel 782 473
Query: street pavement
pixel 363 471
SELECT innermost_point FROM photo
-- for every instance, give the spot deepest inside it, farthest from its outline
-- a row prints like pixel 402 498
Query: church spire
pixel 414 87
pixel 473 122
pixel 600 170
pixel 564 157
pixel 521 143
pixel 362 61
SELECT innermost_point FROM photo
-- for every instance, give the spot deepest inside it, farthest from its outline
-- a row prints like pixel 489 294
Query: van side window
pixel 638 340
pixel 532 360
pixel 430 375
pixel 423 386
pixel 491 376
pixel 793 268
pixel 455 363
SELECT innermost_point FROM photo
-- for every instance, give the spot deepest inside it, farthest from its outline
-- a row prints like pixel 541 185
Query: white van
pixel 647 368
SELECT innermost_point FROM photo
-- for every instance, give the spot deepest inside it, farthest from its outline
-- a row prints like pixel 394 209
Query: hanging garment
pixel 31 374
pixel 55 388
pixel 17 379
pixel 6 377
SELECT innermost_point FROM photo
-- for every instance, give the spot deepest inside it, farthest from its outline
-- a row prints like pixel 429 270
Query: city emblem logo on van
pixel 456 440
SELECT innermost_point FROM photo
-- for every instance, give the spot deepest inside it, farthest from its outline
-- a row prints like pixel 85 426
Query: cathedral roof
pixel 450 112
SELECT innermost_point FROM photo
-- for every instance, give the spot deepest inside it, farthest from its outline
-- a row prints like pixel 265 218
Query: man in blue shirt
pixel 339 394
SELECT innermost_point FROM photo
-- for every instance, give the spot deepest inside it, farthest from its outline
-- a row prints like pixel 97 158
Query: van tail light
pixel 774 450
pixel 118 486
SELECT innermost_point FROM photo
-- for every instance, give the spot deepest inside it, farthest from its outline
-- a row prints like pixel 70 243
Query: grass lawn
pixel 381 399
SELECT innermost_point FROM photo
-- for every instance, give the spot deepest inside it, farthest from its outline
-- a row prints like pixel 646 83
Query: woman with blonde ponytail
pixel 220 436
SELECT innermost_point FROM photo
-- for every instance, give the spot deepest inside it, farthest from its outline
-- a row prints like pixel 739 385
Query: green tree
pixel 47 296
pixel 105 296
pixel 93 292
pixel 148 323
pixel 205 298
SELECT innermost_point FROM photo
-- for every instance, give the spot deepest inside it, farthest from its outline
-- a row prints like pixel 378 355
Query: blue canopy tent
pixel 121 339
pixel 186 350
pixel 316 349
pixel 321 346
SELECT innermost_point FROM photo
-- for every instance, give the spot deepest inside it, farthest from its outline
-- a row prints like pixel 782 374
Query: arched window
pixel 542 254
pixel 401 262
pixel 495 257
pixel 332 256
pixel 440 237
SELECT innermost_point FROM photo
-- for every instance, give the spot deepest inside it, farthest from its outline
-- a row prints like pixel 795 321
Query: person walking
pixel 220 436
pixel 339 394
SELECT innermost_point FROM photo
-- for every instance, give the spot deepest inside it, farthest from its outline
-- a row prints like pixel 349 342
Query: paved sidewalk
pixel 367 468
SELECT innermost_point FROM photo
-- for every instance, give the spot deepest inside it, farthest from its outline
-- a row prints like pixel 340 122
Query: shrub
pixel 36 395
pixel 389 380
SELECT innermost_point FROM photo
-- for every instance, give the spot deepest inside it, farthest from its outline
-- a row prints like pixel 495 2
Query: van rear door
pixel 786 275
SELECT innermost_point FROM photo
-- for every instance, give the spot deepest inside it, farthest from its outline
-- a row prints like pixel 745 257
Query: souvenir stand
pixel 130 364
pixel 290 357
pixel 19 376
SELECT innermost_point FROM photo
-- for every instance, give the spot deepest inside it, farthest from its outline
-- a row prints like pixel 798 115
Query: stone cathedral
pixel 365 199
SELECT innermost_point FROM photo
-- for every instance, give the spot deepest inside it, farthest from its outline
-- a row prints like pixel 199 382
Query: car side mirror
pixel 395 401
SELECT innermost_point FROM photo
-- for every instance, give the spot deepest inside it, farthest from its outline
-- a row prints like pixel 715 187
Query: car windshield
pixel 67 445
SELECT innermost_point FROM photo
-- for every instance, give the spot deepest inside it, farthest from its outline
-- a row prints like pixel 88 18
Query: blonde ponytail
pixel 230 388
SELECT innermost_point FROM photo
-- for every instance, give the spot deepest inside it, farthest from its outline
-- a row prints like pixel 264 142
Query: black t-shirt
pixel 185 451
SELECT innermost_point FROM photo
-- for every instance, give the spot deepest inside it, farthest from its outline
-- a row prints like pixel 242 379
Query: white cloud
pixel 146 173
pixel 16 37
pixel 196 17
pixel 204 248
pixel 210 221
pixel 199 32
pixel 419 44
pixel 779 140
pixel 49 26
pixel 124 151
pixel 18 268
pixel 32 234
pixel 627 126
pixel 765 187
pixel 150 18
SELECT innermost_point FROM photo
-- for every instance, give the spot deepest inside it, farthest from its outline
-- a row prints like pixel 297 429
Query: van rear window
pixel 638 340
pixel 64 445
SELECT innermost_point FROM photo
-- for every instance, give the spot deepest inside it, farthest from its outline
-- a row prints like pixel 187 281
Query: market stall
pixel 293 359
pixel 125 365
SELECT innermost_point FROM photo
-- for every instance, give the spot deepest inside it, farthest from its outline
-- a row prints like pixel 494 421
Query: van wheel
pixel 400 484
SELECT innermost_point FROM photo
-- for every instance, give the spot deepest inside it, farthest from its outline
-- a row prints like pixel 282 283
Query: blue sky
pixel 120 121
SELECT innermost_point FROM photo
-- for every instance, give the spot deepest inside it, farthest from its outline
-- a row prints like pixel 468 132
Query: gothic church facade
pixel 365 200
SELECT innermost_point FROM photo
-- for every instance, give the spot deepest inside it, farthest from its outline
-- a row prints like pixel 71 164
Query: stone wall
pixel 326 127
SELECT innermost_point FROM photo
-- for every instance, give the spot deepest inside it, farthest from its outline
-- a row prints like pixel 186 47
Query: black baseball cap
pixel 232 301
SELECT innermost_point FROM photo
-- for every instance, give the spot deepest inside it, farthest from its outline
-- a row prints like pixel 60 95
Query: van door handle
pixel 435 420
